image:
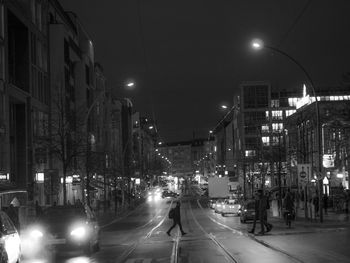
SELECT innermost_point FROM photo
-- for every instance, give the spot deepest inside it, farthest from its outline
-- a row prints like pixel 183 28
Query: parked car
pixel 247 211
pixel 10 242
pixel 218 205
pixel 68 227
pixel 231 206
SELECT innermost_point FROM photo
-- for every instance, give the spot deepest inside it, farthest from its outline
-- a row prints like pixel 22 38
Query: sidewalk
pixel 331 222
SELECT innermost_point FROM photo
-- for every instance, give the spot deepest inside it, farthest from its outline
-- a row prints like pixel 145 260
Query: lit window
pixel 290 112
pixel 275 103
pixel 265 128
pixel 277 126
pixel 265 140
pixel 277 115
pixel 249 153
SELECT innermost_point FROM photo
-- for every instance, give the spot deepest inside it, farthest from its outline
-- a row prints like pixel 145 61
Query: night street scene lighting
pixel 162 131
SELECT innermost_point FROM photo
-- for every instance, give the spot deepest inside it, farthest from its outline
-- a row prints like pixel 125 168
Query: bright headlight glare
pixel 78 232
pixel 36 233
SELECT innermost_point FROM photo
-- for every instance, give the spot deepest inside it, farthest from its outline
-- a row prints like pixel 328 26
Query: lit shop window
pixel 277 126
pixel 265 140
pixel 277 115
pixel 249 153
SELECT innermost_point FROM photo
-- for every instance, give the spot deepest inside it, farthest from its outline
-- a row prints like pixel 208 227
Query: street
pixel 141 237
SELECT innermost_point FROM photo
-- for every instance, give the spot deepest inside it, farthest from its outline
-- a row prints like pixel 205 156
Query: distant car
pixel 10 242
pixel 169 194
pixel 230 206
pixel 69 227
pixel 247 211
pixel 218 205
pixel 211 203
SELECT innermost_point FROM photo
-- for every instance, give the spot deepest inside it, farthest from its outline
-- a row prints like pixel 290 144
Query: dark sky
pixel 188 56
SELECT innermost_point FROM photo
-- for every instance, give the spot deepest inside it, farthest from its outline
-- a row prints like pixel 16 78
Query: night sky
pixel 189 56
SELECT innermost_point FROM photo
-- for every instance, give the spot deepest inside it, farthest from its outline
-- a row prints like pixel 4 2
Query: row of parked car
pixel 245 210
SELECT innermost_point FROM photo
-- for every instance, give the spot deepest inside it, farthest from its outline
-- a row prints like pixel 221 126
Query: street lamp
pixel 258 44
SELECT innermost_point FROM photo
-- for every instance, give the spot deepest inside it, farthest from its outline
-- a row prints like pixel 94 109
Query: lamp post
pixel 258 44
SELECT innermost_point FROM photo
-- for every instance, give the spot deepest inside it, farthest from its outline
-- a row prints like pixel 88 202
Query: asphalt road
pixel 141 237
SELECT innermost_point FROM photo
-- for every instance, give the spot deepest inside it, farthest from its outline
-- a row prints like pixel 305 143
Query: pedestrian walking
pixel 176 216
pixel 261 213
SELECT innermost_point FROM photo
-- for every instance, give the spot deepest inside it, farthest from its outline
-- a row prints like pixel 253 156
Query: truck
pixel 218 187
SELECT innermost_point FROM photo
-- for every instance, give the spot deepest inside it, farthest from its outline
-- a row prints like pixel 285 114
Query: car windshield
pixel 53 214
pixel 231 201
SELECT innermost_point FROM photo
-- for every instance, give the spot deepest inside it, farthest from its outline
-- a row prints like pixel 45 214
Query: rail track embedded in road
pixel 132 247
pixel 252 237
pixel 224 251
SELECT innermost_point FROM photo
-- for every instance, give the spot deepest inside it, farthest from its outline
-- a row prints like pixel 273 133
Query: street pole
pixel 318 127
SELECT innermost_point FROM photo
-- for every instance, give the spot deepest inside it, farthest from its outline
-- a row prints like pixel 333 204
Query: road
pixel 141 237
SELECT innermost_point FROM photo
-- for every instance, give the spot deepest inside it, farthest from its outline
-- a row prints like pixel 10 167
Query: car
pixel 247 211
pixel 10 242
pixel 65 228
pixel 169 194
pixel 231 206
pixel 218 205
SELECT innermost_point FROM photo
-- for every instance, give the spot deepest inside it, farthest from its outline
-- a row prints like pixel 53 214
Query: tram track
pixel 252 237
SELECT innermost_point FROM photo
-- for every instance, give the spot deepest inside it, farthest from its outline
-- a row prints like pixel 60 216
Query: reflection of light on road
pixel 78 260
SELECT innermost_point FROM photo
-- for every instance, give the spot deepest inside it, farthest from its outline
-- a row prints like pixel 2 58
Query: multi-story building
pixel 303 149
pixel 259 115
pixel 203 159
pixel 24 97
pixel 179 154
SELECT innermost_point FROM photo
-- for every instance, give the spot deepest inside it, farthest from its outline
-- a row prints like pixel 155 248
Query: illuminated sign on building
pixel 328 161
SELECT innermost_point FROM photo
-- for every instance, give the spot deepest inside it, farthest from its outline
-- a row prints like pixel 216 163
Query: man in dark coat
pixel 176 219
pixel 260 213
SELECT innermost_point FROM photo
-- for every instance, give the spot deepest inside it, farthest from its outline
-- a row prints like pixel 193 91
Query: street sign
pixel 304 172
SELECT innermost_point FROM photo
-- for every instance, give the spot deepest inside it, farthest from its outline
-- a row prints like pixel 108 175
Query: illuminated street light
pixel 150 127
pixel 258 44
pixel 224 107
pixel 130 84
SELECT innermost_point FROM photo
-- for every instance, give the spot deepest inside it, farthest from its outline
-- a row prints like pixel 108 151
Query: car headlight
pixel 79 232
pixel 245 210
pixel 36 233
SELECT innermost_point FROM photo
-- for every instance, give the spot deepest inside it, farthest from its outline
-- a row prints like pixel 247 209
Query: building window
pixel 277 115
pixel 292 102
pixel 277 126
pixel 275 103
pixel 266 140
pixel 290 112
pixel 250 153
pixel 265 128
